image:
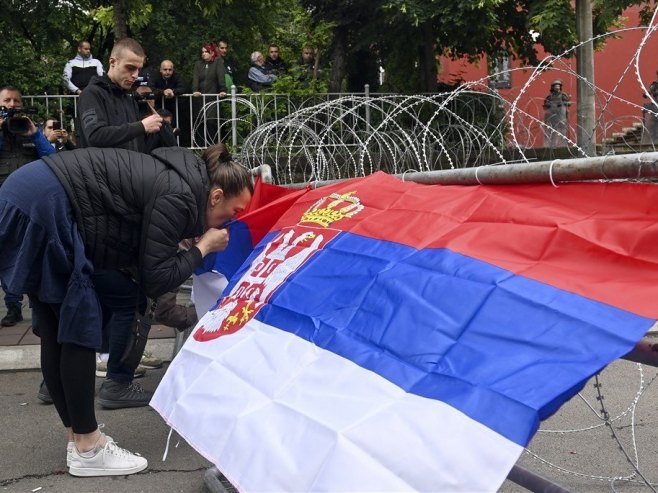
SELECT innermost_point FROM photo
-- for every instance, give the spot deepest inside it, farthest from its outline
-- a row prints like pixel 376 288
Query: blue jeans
pixel 11 298
pixel 119 297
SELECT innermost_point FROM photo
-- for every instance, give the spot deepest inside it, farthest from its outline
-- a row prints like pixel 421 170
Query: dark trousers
pixel 119 297
pixel 11 298
pixel 68 370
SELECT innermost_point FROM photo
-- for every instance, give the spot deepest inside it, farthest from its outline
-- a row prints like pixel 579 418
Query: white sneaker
pixel 69 453
pixel 71 445
pixel 110 460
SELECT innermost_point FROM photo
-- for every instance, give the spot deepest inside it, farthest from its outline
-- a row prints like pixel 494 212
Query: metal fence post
pixel 234 117
pixel 366 90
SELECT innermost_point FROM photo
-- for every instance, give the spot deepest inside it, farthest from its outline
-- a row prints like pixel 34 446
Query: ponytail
pixel 225 173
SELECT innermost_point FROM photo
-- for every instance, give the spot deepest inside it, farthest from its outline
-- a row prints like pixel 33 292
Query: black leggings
pixel 68 370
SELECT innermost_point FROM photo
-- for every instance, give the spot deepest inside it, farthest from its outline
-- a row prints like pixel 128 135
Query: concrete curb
pixel 28 357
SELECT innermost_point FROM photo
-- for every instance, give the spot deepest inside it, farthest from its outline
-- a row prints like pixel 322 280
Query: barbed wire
pixel 353 135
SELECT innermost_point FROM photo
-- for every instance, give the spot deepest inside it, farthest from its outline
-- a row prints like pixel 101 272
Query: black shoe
pixel 43 395
pixel 13 316
pixel 116 395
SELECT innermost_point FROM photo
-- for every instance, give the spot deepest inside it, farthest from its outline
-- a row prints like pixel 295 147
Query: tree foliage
pixel 353 37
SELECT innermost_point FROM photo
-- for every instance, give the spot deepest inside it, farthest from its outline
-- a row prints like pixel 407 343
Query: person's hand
pixel 213 240
pixel 62 135
pixel 32 129
pixel 196 93
pixel 168 93
pixel 152 124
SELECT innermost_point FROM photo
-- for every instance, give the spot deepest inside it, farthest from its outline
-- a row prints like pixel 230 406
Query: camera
pixel 140 81
pixel 17 122
pixel 57 125
pixel 147 96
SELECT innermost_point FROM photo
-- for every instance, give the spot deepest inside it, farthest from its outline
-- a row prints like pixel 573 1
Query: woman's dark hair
pixel 225 173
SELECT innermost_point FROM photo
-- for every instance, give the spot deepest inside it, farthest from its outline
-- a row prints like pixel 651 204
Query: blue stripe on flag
pixel 228 261
pixel 499 347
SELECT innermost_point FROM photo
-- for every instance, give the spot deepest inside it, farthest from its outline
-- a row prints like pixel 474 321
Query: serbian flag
pixel 267 204
pixel 390 336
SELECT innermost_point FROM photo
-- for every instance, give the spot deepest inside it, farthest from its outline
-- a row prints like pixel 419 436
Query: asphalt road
pixel 32 441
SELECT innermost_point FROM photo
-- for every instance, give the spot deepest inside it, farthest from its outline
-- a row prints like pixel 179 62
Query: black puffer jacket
pixel 133 209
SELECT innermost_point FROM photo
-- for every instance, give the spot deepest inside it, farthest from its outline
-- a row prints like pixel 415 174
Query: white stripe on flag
pixel 206 290
pixel 276 413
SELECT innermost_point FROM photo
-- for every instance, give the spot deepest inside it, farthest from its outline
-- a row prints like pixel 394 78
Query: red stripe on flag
pixel 594 239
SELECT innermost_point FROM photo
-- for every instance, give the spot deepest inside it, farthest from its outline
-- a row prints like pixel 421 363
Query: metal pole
pixel 234 117
pixel 533 482
pixel 625 166
pixel 616 167
pixel 586 114
pixel 367 94
pixel 645 352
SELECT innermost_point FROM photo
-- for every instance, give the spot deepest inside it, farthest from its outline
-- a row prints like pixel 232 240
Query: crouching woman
pixel 68 215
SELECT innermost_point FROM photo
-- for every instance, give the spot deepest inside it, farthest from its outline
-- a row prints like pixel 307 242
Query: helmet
pixel 556 81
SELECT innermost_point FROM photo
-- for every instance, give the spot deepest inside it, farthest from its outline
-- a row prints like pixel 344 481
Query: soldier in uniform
pixel 556 115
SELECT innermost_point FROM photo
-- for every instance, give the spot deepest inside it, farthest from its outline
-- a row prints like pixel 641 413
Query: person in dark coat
pixel 106 210
pixel 208 78
pixel 109 113
pixel 274 64
pixel 167 86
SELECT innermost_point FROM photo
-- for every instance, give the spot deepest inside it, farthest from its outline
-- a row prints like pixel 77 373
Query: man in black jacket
pixel 167 86
pixel 274 64
pixel 109 117
pixel 109 112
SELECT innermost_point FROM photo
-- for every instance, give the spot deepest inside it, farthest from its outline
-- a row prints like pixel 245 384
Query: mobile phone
pixel 57 125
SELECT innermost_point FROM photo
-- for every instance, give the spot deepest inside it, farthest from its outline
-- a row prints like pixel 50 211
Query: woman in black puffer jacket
pixel 65 219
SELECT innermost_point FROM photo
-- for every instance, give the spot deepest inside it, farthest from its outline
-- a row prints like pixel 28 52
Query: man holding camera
pixel 21 142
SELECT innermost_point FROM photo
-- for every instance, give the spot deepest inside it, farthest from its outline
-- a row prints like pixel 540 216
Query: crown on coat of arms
pixel 340 207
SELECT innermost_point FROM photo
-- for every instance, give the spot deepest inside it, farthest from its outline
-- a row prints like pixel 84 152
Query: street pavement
pixel 33 445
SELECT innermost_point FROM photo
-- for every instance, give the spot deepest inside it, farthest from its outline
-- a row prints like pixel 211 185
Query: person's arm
pixel 68 71
pixel 99 68
pixel 258 76
pixel 95 124
pixel 44 148
pixel 172 314
pixel 163 267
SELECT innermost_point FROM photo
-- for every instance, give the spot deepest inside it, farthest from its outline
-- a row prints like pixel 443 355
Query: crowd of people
pixel 124 215
pixel 214 73
pixel 158 87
